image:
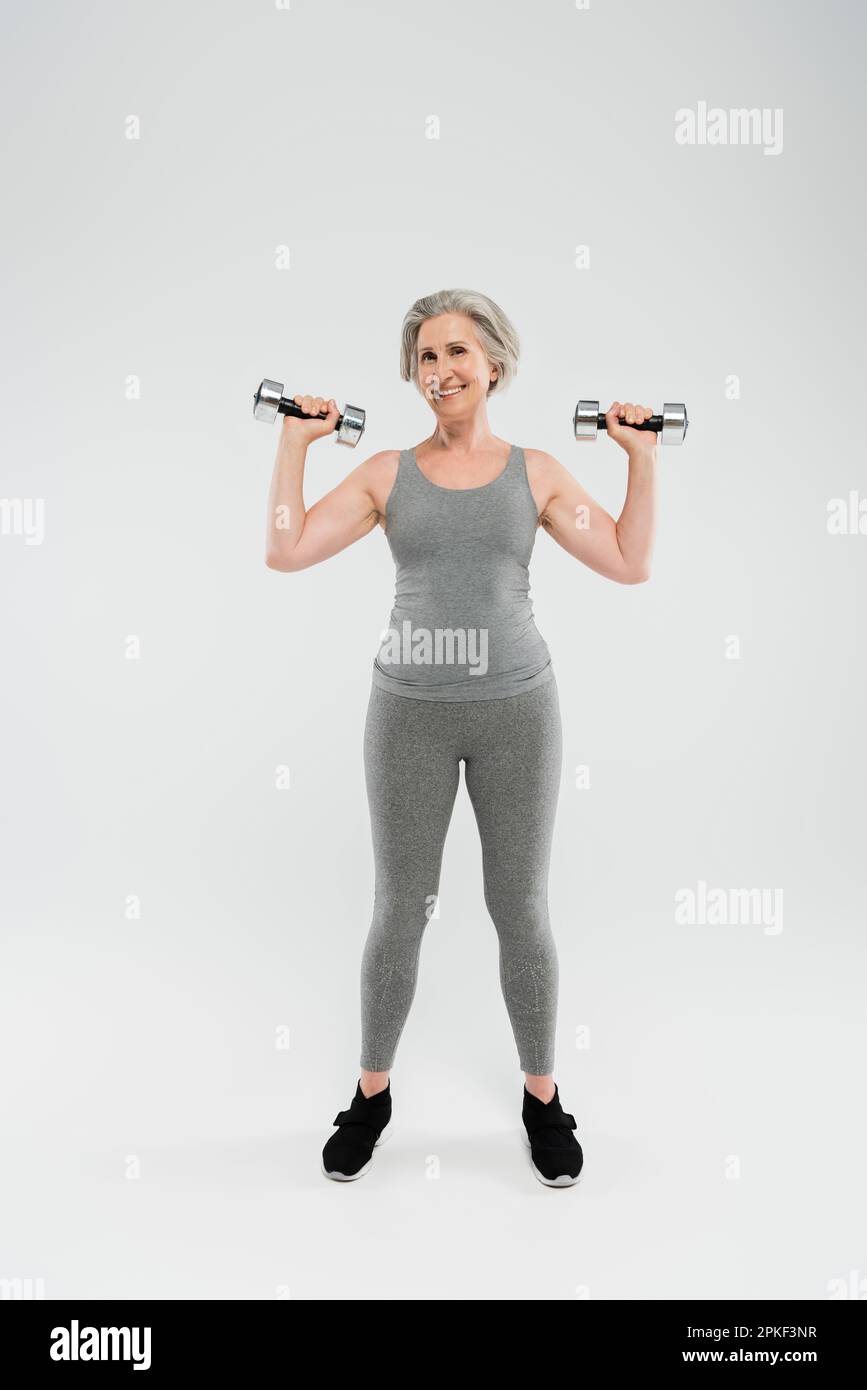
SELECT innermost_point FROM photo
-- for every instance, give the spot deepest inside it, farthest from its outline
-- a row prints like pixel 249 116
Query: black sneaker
pixel 349 1152
pixel 555 1154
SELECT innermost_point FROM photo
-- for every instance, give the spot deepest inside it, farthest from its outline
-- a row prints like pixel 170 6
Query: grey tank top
pixel 462 624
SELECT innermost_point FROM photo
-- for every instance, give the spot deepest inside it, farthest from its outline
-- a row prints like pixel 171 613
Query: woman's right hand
pixel 303 432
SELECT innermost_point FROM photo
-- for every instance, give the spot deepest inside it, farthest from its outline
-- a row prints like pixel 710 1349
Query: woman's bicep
pixel 345 514
pixel 581 525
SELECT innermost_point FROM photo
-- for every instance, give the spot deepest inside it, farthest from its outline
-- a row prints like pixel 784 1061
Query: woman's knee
pixel 399 919
pixel 524 913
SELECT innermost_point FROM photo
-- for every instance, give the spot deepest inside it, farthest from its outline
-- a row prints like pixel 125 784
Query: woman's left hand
pixel 633 441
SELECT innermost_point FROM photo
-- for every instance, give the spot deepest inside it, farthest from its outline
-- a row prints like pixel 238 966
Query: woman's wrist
pixel 642 455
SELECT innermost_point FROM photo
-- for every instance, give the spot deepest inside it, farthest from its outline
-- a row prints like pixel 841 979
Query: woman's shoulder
pixel 538 458
pixel 541 465
pixel 381 467
pixel 384 459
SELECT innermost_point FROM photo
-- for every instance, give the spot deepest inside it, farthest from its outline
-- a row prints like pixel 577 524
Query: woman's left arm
pixel 620 550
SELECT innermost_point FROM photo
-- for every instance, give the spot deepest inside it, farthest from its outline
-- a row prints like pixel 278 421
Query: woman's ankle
pixel 372 1082
pixel 542 1087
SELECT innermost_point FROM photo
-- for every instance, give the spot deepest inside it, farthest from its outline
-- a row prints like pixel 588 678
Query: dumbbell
pixel 269 402
pixel 671 425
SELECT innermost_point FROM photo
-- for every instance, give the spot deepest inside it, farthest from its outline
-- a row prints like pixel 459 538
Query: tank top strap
pixel 514 466
pixel 408 474
pixel 515 480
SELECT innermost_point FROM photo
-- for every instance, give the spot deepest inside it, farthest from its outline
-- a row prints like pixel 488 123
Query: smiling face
pixel 453 371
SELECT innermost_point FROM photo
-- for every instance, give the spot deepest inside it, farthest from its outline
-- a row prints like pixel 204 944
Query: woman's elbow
pixel 275 561
pixel 636 576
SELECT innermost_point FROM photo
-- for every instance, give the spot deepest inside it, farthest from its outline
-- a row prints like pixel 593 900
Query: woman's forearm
pixel 636 525
pixel 286 513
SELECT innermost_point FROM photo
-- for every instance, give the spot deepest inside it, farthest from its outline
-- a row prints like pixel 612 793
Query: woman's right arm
pixel 295 538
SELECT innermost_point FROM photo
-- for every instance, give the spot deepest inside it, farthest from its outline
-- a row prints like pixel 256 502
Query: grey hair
pixel 496 333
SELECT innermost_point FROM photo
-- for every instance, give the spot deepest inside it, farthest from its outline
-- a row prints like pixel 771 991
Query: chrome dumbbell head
pixel 351 425
pixel 266 401
pixel 674 423
pixel 586 419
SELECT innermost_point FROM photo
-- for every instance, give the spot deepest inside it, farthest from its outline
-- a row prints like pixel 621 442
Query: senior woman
pixel 462 675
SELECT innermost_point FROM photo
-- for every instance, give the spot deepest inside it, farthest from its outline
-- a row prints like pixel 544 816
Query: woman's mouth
pixel 452 391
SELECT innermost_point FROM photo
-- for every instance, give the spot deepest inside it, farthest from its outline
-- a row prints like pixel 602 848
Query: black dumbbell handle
pixel 654 423
pixel 288 407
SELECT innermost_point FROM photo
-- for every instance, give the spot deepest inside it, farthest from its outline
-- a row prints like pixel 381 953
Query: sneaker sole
pixel 350 1177
pixel 564 1180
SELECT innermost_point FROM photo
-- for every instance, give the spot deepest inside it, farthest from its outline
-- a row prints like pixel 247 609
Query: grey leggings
pixel 512 752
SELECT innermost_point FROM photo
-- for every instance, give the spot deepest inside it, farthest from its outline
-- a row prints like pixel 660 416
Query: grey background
pixel 153 1042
